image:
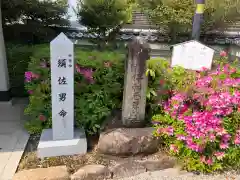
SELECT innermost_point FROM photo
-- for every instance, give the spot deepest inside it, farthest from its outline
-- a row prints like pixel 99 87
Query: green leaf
pixel 152 73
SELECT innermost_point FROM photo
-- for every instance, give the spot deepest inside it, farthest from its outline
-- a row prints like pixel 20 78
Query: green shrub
pixel 200 120
pixel 18 57
pixel 159 87
pixel 98 88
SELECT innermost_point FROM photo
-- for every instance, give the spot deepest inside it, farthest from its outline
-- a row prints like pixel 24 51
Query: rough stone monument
pixel 62 139
pixel 135 83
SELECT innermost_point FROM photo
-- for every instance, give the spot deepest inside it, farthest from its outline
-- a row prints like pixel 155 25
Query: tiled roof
pixel 139 21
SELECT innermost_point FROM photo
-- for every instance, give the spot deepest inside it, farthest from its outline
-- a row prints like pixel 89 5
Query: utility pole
pixel 198 19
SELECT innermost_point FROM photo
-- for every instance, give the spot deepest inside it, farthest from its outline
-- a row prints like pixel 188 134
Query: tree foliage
pixel 32 21
pixel 103 16
pixel 27 11
pixel 175 16
pixel 220 12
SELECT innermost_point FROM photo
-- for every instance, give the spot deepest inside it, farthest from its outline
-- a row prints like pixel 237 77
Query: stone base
pixel 6 103
pixel 48 147
pixel 5 96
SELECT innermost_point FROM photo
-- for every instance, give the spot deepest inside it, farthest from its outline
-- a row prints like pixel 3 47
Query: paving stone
pixel 51 173
pixel 91 172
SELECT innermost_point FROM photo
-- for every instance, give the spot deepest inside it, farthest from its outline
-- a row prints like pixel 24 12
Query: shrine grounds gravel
pixel 173 174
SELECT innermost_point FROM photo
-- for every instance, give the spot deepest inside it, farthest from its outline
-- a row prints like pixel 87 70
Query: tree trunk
pixel 173 34
pixel 4 79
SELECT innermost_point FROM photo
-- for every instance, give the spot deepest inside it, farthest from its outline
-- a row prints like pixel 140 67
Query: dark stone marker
pixel 135 83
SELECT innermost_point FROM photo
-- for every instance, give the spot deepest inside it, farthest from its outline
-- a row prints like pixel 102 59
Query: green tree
pixel 27 11
pixel 103 17
pixel 220 12
pixel 175 16
pixel 33 21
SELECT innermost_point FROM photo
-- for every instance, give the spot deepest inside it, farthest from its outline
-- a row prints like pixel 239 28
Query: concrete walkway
pixel 13 137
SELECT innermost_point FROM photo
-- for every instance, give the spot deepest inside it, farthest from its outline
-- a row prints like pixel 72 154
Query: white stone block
pixel 48 147
pixel 192 55
pixel 62 87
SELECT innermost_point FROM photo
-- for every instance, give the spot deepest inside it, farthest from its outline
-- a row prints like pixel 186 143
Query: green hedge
pixel 97 93
pixel 18 57
pixel 99 80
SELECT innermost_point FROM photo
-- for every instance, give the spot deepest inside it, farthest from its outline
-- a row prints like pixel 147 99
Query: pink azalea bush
pixel 201 124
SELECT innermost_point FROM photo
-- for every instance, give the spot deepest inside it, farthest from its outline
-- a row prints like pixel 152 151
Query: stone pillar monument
pixel 62 139
pixel 135 83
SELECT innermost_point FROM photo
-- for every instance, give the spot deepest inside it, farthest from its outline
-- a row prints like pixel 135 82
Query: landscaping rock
pixel 51 173
pixel 129 141
pixel 132 166
pixel 91 172
pixel 158 164
pixel 127 169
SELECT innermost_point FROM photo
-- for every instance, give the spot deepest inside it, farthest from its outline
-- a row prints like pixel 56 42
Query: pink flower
pixel 237 140
pixel 219 155
pixel 203 159
pixel 28 76
pixel 181 137
pixel 195 147
pixel 42 118
pixel 174 148
pixel 204 69
pixel 223 53
pixel 212 137
pixel 107 64
pixel 233 70
pixel 226 137
pixel 159 130
pixel 178 97
pixel 223 145
pixel 30 91
pixel 221 131
pixel 43 64
pixel 78 69
pixel 86 72
pixel 161 82
pixel 209 161
pixel 35 76
pixel 170 130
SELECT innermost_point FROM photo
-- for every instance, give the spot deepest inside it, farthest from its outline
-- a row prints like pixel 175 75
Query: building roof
pixel 142 26
pixel 186 42
pixel 139 21
pixel 190 41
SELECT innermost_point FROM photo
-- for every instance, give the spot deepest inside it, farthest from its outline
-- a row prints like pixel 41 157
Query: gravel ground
pixel 174 174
